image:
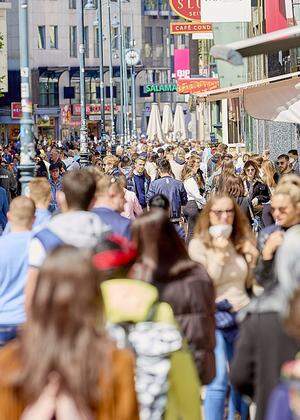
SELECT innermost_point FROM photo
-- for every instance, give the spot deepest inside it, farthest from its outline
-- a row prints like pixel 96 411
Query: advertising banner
pixel 16 110
pixel 91 109
pixel 180 27
pixel 188 9
pixel 182 63
pixel 226 10
pixel 279 14
pixel 187 86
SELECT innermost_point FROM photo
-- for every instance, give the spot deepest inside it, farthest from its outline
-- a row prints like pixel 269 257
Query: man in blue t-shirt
pixel 110 199
pixel 13 267
pixel 138 181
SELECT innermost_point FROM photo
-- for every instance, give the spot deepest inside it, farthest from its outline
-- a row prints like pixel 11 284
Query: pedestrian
pixel 111 166
pixel 56 159
pixel 169 187
pixel 270 177
pixel 256 191
pixel 294 160
pixel 76 225
pixel 3 209
pixel 285 207
pixel 255 370
pixel 233 186
pixel 55 186
pixel 224 245
pixel 110 200
pixel 167 383
pixel 65 326
pixel 163 261
pixel 13 267
pixel 284 165
pixel 8 182
pixel 195 200
pixel 138 181
pixel 177 164
pixel 151 166
pixel 132 207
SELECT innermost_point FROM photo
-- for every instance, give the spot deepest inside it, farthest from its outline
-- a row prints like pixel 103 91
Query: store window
pixel 41 37
pixel 72 4
pixel 49 96
pixel 73 41
pixel 127 36
pixel 115 38
pixel 53 35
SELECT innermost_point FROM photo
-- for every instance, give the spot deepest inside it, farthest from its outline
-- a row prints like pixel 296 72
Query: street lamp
pixel 27 166
pixel 84 155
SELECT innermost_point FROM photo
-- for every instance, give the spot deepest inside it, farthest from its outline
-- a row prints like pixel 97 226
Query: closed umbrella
pixel 167 120
pixel 154 130
pixel 180 131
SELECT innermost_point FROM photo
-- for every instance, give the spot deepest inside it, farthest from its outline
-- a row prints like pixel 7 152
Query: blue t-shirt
pixel 13 268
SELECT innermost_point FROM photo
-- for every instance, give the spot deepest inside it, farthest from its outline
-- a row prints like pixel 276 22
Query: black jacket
pixel 259 191
pixel 261 350
pixel 8 182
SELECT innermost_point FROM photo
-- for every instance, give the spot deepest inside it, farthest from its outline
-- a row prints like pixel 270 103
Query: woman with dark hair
pixel 63 365
pixel 224 245
pixel 255 190
pixel 234 187
pixel 163 261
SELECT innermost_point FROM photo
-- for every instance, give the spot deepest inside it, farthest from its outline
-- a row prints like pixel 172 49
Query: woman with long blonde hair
pixel 224 244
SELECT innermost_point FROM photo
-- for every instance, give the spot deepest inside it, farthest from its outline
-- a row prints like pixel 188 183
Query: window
pixel 41 37
pixel 48 92
pixel 127 36
pixel 148 41
pixel 72 4
pixel 86 41
pixel 159 35
pixel 96 42
pixel 53 33
pixel 115 38
pixel 73 41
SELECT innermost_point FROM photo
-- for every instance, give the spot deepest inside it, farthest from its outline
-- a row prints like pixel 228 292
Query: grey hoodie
pixel 82 229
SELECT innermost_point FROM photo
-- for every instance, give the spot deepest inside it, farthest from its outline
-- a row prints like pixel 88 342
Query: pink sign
pixel 182 63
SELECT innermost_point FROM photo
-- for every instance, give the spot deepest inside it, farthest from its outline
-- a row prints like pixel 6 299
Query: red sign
pixel 16 110
pixel 186 86
pixel 182 63
pixel 188 9
pixel 190 27
pixel 91 109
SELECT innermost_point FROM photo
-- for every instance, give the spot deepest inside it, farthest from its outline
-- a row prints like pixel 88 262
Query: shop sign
pixel 178 28
pixel 188 9
pixel 187 86
pixel 182 63
pixel 154 88
pixel 226 10
pixel 46 123
pixel 16 110
pixel 66 114
pixel 91 109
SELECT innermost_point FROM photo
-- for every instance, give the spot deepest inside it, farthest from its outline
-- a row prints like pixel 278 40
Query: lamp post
pixel 101 74
pixel 122 81
pixel 27 166
pixel 111 81
pixel 84 156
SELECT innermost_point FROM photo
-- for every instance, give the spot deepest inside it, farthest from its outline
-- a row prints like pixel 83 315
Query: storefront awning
pixel 275 99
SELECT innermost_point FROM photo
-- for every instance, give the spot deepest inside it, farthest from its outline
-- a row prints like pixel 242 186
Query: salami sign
pixel 188 9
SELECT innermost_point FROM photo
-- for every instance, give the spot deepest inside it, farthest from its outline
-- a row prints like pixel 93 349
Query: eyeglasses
pixel 218 213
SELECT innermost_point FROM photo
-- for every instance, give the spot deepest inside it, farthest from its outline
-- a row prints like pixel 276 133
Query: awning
pixel 275 99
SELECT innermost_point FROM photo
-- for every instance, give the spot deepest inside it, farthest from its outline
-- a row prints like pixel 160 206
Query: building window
pixel 115 38
pixel 148 41
pixel 41 37
pixel 72 4
pixel 127 36
pixel 53 33
pixel 96 42
pixel 86 41
pixel 48 92
pixel 73 41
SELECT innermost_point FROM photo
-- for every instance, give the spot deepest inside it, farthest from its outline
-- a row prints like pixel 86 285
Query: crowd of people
pixel 159 282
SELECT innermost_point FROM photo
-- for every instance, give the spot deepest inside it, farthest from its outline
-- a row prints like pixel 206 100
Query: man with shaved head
pixel 13 266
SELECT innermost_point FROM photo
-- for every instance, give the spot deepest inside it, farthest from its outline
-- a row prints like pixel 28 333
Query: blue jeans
pixel 216 391
pixel 7 333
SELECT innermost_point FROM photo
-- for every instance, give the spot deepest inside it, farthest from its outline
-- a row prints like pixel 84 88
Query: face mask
pixel 220 231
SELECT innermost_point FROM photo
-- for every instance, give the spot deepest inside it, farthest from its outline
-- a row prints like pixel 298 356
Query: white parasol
pixel 154 130
pixel 180 132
